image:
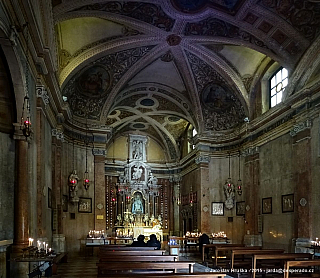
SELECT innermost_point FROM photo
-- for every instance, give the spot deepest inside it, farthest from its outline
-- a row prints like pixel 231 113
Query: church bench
pixel 110 267
pixel 129 252
pixel 228 247
pixel 170 275
pixel 212 246
pixel 252 251
pixel 62 257
pixel 285 257
pixel 298 263
pixel 125 248
pixel 124 258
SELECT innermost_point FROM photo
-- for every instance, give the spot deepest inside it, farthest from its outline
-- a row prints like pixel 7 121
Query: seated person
pixel 204 239
pixel 153 242
pixel 140 242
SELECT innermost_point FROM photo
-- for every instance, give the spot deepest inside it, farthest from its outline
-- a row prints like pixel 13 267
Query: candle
pixel 39 244
pixel 44 245
pixel 31 242
pixel 47 248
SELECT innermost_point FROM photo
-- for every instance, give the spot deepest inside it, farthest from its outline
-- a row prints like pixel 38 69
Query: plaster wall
pixel 315 162
pixel 78 228
pixel 154 152
pixel 230 223
pixel 7 166
pixel 276 179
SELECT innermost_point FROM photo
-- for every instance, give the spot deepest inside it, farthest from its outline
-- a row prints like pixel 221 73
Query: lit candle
pixel 31 242
pixel 44 245
pixel 39 244
pixel 49 250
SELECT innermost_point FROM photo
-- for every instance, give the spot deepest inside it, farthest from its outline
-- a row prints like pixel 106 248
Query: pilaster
pixel 252 182
pixel 99 190
pixel 203 194
pixel 301 155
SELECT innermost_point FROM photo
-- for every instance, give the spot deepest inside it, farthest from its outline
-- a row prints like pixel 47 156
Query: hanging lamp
pixel 73 178
pixel 229 190
pixel 86 181
pixel 25 124
pixel 239 183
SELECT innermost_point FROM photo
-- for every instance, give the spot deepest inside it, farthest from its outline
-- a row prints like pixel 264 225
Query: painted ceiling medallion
pixel 191 6
pixel 147 102
pixel 139 126
pixel 94 82
pixel 173 40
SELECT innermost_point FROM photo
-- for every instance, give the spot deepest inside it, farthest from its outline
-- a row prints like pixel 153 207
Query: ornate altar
pixel 137 194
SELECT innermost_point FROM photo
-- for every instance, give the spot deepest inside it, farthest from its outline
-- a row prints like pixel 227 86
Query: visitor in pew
pixel 140 242
pixel 153 242
pixel 204 239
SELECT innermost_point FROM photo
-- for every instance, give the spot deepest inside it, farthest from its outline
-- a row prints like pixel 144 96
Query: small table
pixel 37 262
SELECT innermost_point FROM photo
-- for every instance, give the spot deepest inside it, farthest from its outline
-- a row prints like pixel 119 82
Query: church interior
pixel 167 117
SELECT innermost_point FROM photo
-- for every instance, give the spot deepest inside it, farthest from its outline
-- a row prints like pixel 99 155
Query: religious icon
pixel 137 206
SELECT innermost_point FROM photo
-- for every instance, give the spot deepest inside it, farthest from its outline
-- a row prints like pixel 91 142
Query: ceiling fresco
pixel 158 67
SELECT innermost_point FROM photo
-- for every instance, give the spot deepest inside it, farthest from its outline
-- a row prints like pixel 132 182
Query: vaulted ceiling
pixel 156 67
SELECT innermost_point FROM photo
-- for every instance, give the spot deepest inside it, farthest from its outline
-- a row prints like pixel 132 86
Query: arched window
pixel 278 83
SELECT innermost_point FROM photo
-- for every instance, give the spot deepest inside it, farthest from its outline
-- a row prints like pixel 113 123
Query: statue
pixel 137 172
pixel 152 180
pixel 137 150
pixel 229 193
pixel 137 206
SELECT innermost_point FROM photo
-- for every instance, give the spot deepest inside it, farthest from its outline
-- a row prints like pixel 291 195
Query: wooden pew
pixel 252 251
pixel 284 257
pixel 128 258
pixel 132 253
pixel 212 246
pixel 304 263
pixel 171 275
pixel 228 247
pixel 110 267
pixel 125 248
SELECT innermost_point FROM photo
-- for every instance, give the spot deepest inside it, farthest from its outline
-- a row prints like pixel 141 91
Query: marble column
pixel 252 184
pixel 21 223
pixel 99 190
pixel 21 205
pixel 301 154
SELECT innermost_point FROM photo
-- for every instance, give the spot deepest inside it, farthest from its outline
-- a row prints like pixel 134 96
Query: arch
pixel 9 47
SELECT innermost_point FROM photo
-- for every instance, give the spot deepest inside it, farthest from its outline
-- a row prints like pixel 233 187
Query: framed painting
pixel 240 208
pixel 65 203
pixel 267 205
pixel 217 208
pixel 288 203
pixel 49 197
pixel 85 205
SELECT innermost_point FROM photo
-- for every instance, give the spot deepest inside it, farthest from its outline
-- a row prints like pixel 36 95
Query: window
pixel 194 132
pixel 278 83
